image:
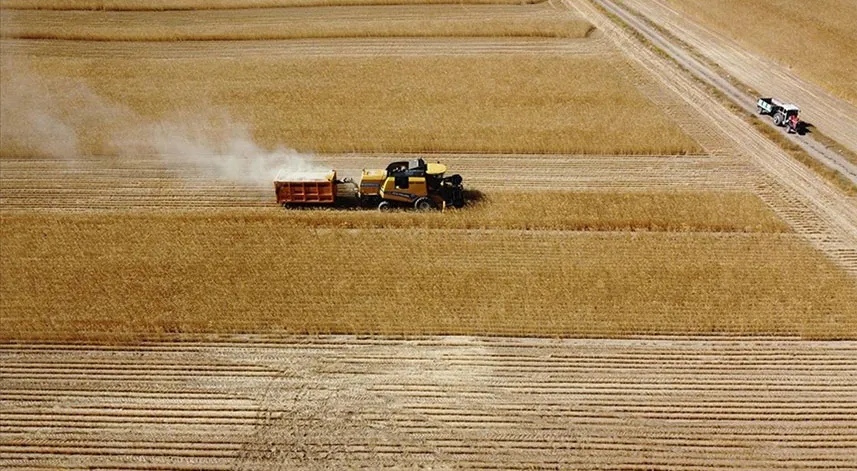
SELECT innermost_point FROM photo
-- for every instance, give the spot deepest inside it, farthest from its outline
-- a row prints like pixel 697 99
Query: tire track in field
pixel 283 402
pixel 94 183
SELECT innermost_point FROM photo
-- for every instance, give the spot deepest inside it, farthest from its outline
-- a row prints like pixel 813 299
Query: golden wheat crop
pixel 515 103
pixel 292 23
pixel 816 41
pixel 678 211
pixel 101 277
pixel 156 5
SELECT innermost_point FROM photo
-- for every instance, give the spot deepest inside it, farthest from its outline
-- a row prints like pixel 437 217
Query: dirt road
pixel 816 149
pixel 833 116
pixel 826 217
pixel 313 403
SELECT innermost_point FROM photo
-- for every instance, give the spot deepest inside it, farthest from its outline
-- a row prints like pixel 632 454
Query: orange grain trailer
pixel 306 188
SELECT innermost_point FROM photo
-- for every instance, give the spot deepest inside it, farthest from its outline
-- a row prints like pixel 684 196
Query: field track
pixel 278 403
pixel 841 125
pixel 833 116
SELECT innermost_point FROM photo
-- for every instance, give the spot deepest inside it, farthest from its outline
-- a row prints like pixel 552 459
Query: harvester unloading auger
pixel 410 183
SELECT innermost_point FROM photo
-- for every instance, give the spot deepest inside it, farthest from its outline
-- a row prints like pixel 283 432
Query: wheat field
pixel 294 23
pixel 689 287
pixel 569 104
pixel 126 277
pixel 675 211
pixel 160 5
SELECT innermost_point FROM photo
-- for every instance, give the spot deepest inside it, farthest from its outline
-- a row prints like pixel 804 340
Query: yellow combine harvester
pixel 411 183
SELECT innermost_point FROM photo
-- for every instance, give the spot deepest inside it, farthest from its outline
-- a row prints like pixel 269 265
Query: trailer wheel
pixel 423 204
pixel 385 206
pixel 778 119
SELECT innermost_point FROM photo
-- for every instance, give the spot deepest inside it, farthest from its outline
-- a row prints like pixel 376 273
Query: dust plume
pixel 64 118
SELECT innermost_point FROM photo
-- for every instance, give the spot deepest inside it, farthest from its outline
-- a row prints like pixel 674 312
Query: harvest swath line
pixel 253 402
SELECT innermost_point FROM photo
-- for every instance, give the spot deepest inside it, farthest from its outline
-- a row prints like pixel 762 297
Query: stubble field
pixel 658 253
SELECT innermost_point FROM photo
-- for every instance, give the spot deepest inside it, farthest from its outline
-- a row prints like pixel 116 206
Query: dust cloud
pixel 63 118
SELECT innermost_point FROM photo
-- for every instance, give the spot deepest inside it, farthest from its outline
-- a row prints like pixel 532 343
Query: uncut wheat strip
pixel 165 5
pixel 352 47
pixel 293 23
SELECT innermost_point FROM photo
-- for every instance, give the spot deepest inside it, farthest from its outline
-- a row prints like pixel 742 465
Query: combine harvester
pixel 413 183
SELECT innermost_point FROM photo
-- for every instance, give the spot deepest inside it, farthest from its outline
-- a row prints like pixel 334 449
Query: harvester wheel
pixel 423 204
pixel 385 206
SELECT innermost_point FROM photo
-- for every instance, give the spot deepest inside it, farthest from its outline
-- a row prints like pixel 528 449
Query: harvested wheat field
pixel 638 281
pixel 477 403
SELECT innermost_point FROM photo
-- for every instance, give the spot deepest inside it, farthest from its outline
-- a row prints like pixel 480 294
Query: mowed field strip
pixel 319 402
pixel 152 182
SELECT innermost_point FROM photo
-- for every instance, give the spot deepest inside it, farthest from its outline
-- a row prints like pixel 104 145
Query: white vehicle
pixel 784 114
